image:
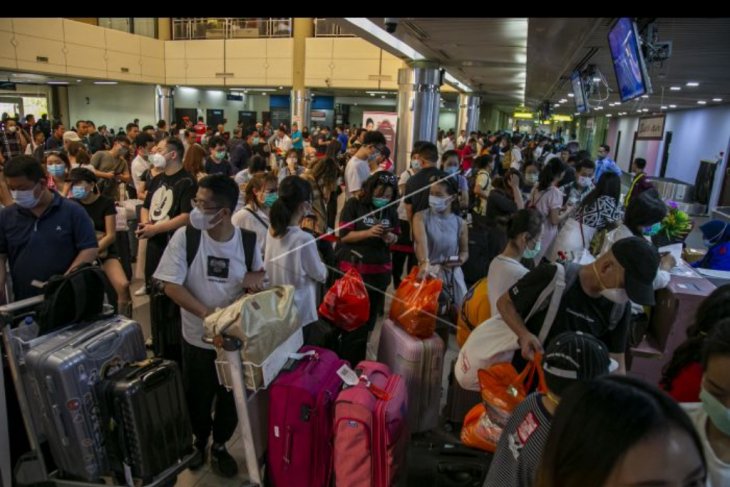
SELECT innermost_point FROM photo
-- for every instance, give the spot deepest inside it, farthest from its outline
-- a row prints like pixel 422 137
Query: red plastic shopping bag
pixel 415 304
pixel 346 304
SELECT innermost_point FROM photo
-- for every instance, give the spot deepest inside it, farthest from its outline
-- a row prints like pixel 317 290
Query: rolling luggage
pixel 445 465
pixel 147 425
pixel 420 364
pixel 371 429
pixel 459 401
pixel 58 373
pixel 301 414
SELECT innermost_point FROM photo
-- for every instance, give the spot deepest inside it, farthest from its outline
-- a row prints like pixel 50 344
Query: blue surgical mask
pixel 79 192
pixel 532 253
pixel 25 198
pixel 439 204
pixel 451 170
pixel 380 202
pixel 718 413
pixel 56 170
pixel 255 140
pixel 416 164
pixel 653 230
pixel 270 199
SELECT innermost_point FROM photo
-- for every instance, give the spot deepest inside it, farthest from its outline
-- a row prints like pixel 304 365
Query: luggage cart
pixel 35 461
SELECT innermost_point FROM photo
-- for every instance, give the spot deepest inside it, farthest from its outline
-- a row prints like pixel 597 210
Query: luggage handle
pixel 104 344
pixel 152 378
pixel 456 471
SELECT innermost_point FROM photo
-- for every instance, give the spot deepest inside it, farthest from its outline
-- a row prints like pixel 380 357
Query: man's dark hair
pixel 200 119
pixel 215 141
pixel 28 117
pixel 27 166
pixel 374 137
pixel 225 190
pixel 148 127
pixel 89 122
pixel 56 124
pixel 79 122
pixel 142 139
pixel 131 125
pixel 585 163
pixel 428 152
pixel 176 145
pixel 449 153
pixel 606 147
pixel 640 162
pixel 161 124
pixel 122 138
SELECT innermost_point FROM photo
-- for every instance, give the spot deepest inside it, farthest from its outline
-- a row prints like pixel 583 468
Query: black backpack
pixel 75 297
pixel 472 182
pixel 192 236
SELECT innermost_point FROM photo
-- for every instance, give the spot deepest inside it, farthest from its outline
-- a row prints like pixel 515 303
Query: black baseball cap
pixel 640 261
pixel 575 356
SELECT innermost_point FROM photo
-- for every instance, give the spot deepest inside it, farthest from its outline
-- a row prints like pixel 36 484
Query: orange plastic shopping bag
pixel 347 304
pixel 415 304
pixel 503 389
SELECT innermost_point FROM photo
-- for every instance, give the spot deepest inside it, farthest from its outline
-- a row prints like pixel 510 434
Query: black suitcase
pixel 459 401
pixel 445 465
pixel 147 426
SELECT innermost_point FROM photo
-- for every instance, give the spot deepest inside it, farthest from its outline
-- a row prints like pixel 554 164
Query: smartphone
pixel 453 258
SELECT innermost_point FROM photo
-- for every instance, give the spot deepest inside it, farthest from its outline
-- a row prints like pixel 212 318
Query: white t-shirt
pixel 244 219
pixel 293 259
pixel 718 472
pixel 139 166
pixel 504 272
pixel 284 144
pixel 215 276
pixel 404 177
pixel 357 172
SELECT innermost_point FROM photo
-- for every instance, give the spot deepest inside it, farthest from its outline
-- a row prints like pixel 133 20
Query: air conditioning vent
pixel 125 70
pixel 41 59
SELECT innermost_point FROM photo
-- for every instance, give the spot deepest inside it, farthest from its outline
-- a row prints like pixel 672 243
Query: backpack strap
pixel 248 238
pixel 192 243
pixel 553 291
pixel 261 220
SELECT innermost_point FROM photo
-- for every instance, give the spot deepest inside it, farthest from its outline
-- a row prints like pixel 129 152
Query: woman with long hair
pixel 292 165
pixel 260 195
pixel 547 198
pixel 291 253
pixel 323 175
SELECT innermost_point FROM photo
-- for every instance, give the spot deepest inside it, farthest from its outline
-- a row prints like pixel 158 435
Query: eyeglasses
pixel 199 204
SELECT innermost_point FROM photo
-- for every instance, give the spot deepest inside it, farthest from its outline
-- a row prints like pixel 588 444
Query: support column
pixel 300 96
pixel 418 108
pixel 164 104
pixel 468 118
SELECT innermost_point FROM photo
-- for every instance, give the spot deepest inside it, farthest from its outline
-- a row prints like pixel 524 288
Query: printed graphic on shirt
pixel 218 267
pixel 161 204
pixel 528 426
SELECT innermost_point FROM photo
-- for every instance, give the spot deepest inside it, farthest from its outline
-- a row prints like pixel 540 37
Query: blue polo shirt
pixel 299 145
pixel 38 248
pixel 605 165
pixel 343 139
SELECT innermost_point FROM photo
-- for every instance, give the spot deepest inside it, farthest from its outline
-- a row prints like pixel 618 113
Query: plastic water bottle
pixel 27 330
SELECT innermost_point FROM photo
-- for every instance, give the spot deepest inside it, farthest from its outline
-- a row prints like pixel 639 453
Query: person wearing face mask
pixel 450 165
pixel 141 163
pixel 711 416
pixel 531 173
pixel 577 190
pixel 217 160
pixel 323 176
pixel 216 277
pixel 42 234
pixel 639 183
pixel 425 157
pixel 12 140
pixel 524 230
pixel 166 208
pixel 481 183
pixel 260 194
pixel 103 213
pixel 368 227
pixel 716 237
pixel 57 165
pixel 595 299
pixel 291 253
pixel 441 238
pixel 548 200
pixel 604 163
pixel 292 167
pixel 111 167
pixel 357 170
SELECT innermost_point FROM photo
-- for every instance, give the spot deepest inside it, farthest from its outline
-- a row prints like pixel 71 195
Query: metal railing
pixel 328 28
pixel 230 28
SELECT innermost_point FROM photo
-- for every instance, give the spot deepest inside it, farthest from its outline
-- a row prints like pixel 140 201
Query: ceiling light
pixel 599 108
pixel 382 96
pixel 718 100
pixel 596 80
pixel 563 100
pixel 675 88
pixel 571 95
pixel 617 103
pixel 692 83
pixel 672 106
pixel 701 102
pixel 58 82
pixel 78 81
pixel 645 110
pixel 281 87
pixel 105 82
pixel 609 115
pixel 664 107
pixel 645 96
pixel 264 93
pixel 638 111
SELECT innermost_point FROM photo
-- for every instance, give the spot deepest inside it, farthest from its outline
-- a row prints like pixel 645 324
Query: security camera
pixel 391 24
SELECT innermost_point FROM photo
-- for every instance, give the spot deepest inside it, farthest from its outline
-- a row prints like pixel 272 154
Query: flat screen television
pixel 579 92
pixel 628 61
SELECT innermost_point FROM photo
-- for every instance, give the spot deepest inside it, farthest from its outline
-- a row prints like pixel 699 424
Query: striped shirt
pixel 520 446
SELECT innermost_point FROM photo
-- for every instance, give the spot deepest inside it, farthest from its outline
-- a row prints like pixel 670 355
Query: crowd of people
pixel 315 204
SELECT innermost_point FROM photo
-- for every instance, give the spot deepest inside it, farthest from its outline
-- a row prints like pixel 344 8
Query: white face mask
pixel 615 295
pixel 158 160
pixel 12 129
pixel 531 178
pixel 202 221
pixel 585 181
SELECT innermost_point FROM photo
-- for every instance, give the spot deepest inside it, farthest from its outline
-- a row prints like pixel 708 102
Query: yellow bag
pixel 475 310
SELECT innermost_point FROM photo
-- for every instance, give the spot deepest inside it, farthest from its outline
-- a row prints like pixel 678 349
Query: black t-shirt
pixel 422 179
pixel 374 250
pixel 168 197
pixel 213 167
pixel 500 206
pixel 577 312
pixel 98 211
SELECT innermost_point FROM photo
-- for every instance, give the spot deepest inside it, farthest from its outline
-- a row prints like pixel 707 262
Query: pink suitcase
pixel 371 432
pixel 420 363
pixel 301 414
